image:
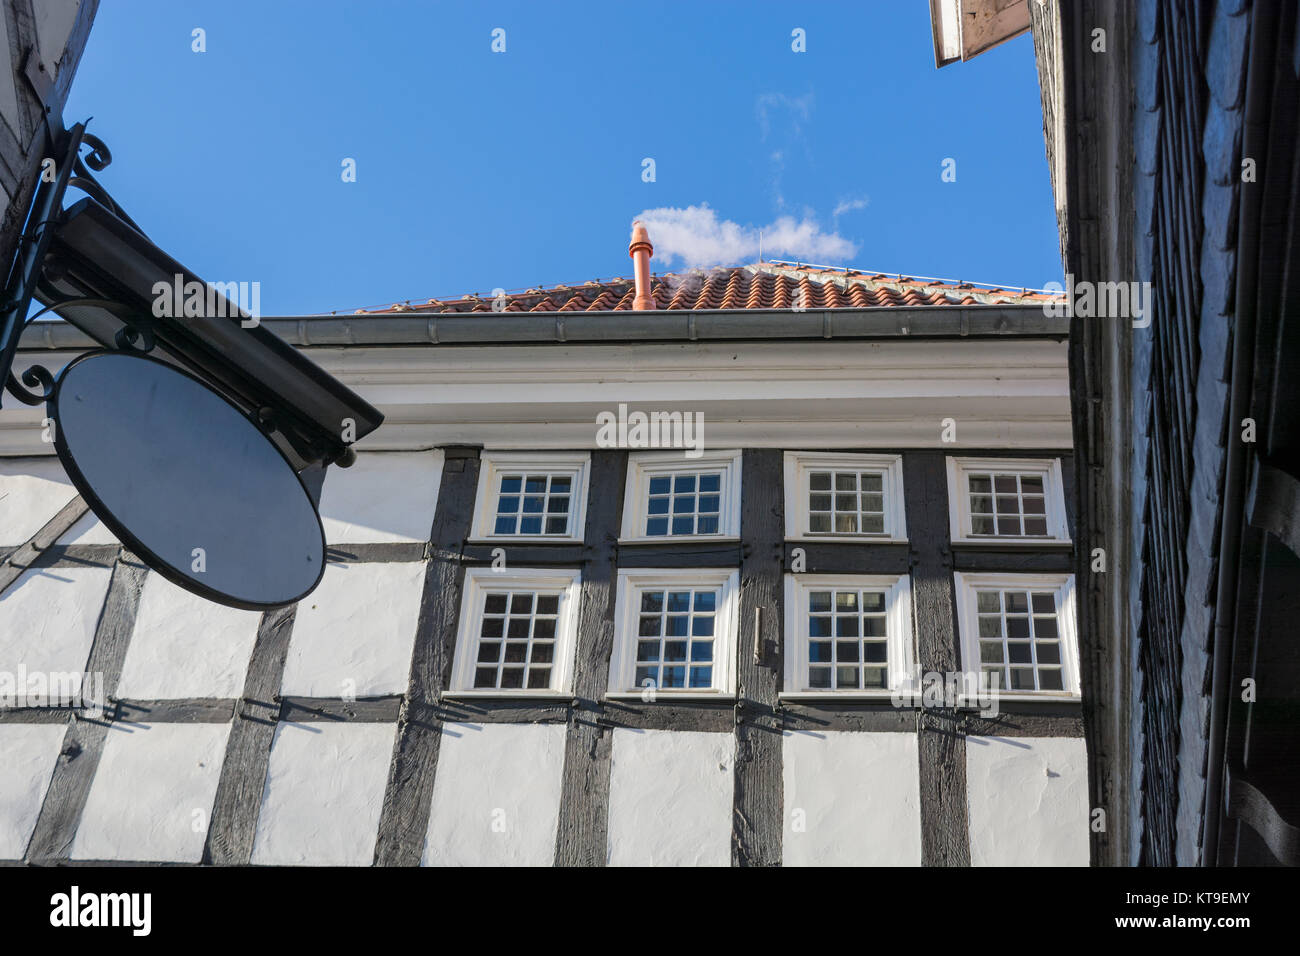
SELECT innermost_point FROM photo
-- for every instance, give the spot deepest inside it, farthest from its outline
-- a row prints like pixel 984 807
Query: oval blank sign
pixel 186 481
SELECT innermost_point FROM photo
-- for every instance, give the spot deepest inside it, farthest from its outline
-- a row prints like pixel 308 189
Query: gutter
pixel 544 328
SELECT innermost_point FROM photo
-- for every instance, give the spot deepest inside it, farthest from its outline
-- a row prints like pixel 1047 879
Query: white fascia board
pixel 1004 392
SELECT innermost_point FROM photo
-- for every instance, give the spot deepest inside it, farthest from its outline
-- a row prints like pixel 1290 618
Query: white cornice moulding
pixel 1003 393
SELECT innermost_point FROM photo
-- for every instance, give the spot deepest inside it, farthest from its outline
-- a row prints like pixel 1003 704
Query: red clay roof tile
pixel 762 286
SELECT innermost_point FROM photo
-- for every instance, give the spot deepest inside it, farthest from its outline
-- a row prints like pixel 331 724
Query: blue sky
pixel 477 170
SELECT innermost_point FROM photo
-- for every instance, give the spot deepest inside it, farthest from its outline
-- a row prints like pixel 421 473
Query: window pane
pixel 873 678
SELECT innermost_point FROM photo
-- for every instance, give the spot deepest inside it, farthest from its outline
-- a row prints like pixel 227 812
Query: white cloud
pixel 796 110
pixel 849 205
pixel 697 238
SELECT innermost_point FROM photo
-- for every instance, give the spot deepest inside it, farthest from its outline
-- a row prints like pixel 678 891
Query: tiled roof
pixel 762 286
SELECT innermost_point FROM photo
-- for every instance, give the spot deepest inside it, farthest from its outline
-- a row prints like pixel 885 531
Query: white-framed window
pixel 531 496
pixel 518 632
pixel 1021 628
pixel 847 634
pixel 1007 499
pixel 675 633
pixel 834 496
pixel 670 498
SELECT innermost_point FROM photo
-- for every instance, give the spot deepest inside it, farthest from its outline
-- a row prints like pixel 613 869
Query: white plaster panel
pixel 48 618
pixel 670 798
pixel 384 496
pixel 323 795
pixel 1028 801
pixel 496 797
pixel 30 752
pixel 354 633
pixel 152 795
pixel 851 799
pixel 32 491
pixel 186 646
pixel 88 529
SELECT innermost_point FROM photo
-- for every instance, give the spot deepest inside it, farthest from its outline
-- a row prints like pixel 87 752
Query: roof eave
pixel 515 328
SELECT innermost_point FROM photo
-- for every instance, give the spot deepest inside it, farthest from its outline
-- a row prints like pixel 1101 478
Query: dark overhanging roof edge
pixel 541 328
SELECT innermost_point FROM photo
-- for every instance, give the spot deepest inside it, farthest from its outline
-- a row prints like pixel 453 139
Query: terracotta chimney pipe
pixel 640 250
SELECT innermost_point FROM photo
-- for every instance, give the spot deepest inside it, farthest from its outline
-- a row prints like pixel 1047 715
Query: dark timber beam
pixel 758 810
pixel 941 742
pixel 83 745
pixel 248 748
pixel 582 837
pixel 408 797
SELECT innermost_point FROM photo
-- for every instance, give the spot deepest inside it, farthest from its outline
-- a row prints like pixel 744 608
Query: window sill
pixel 684 539
pixel 548 695
pixel 1012 544
pixel 843 539
pixel 524 539
pixel 1042 697
pixel 829 695
pixel 663 696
